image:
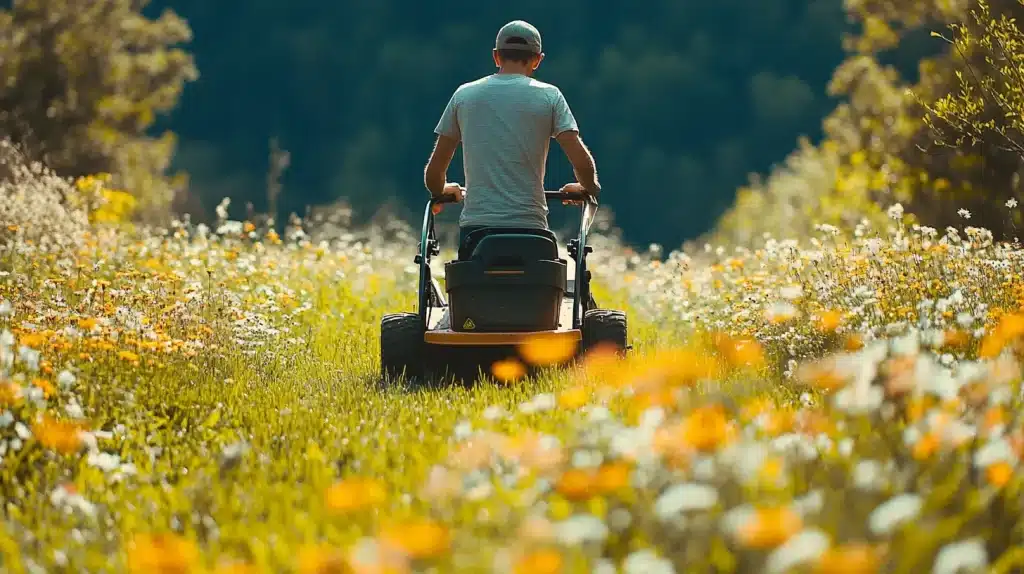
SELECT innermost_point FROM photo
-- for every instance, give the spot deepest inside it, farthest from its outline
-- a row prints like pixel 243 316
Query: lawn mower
pixel 510 287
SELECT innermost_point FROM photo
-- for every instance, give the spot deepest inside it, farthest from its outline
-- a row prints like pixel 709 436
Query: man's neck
pixel 513 71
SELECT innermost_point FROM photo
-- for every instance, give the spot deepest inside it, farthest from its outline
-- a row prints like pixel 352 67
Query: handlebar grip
pixel 548 194
pixel 441 199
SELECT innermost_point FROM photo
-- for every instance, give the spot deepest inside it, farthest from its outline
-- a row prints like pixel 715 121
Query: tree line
pixel 688 107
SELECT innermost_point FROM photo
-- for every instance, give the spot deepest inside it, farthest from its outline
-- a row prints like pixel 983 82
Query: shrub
pixel 85 82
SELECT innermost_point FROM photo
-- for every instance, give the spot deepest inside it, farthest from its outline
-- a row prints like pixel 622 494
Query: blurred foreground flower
pixel 547 349
pixel 62 436
pixel 417 538
pixel 355 494
pixel 162 553
pixel 508 370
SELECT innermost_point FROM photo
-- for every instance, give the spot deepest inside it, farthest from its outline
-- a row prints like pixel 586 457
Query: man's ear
pixel 497 59
pixel 536 63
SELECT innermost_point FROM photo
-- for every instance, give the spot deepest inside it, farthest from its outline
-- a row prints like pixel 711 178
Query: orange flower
pixel 355 494
pixel 128 356
pixel 849 559
pixel 829 321
pixel 1010 327
pixel 900 376
pixel 46 386
pixel 742 352
pixel 508 370
pixel 612 477
pixel 162 553
pixel 780 421
pixel 822 375
pixel 322 559
pixel 994 416
pixel 955 339
pixel 576 484
pixel 853 343
pixel 770 527
pixel 926 446
pixel 707 428
pixel 602 364
pixel 999 473
pixel 62 436
pixel 755 407
pixel 417 538
pixel 548 349
pixel 545 561
pixel 32 340
pixel 686 367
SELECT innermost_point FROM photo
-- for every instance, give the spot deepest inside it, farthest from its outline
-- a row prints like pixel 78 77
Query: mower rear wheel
pixel 401 346
pixel 605 328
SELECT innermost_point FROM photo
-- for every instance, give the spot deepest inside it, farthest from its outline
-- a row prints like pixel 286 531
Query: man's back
pixel 505 123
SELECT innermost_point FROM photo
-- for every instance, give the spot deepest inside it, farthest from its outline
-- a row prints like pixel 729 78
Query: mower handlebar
pixel 549 195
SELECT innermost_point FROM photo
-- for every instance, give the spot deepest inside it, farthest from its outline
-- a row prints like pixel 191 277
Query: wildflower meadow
pixel 207 399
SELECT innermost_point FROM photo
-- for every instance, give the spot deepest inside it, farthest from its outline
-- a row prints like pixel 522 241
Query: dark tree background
pixel 679 101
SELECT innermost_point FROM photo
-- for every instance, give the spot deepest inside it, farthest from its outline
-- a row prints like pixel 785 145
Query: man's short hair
pixel 520 56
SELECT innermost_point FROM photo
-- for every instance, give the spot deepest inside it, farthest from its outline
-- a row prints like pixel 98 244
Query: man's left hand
pixel 454 189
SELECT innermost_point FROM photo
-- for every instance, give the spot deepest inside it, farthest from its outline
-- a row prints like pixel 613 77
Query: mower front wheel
pixel 605 328
pixel 401 346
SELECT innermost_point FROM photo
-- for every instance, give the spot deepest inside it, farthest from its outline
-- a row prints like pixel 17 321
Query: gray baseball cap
pixel 518 35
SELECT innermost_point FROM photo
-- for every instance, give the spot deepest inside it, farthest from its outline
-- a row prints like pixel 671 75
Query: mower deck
pixel 439 333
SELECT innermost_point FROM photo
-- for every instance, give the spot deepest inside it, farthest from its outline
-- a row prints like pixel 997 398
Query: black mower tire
pixel 401 346
pixel 603 327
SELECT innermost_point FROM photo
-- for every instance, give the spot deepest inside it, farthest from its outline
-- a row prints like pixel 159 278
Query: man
pixel 505 122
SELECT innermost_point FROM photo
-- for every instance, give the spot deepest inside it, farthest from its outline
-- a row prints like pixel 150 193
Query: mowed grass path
pixel 211 403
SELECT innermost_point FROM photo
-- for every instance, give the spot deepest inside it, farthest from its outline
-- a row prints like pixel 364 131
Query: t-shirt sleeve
pixel 449 122
pixel 562 118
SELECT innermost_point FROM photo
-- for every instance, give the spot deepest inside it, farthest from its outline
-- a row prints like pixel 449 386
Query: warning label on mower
pixel 469 324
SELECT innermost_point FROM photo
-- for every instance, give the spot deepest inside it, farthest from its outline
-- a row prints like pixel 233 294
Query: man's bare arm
pixel 435 174
pixel 581 159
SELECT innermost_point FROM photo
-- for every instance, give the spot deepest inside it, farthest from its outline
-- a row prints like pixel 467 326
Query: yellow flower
pixel 10 394
pixel 573 398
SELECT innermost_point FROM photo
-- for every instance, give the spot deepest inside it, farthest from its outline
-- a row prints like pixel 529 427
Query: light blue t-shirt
pixel 505 123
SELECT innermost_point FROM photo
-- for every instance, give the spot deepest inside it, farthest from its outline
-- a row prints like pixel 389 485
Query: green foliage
pixel 84 83
pixel 940 144
pixel 816 186
pixel 987 110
